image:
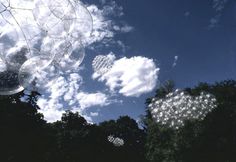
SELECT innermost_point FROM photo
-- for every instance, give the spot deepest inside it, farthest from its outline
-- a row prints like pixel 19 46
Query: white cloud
pixel 94 114
pixel 123 29
pixel 131 76
pixel 104 28
pixel 60 84
pixel 51 114
pixel 111 8
pixel 101 25
pixel 92 99
pixel 175 61
pixel 61 89
pixel 63 92
pixel 52 109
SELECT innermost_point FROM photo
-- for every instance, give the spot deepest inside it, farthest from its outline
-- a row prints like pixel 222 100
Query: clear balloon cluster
pixel 102 64
pixel 37 33
pixel 179 106
pixel 116 141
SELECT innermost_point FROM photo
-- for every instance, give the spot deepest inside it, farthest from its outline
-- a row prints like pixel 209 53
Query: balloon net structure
pixel 116 141
pixel 102 64
pixel 35 34
pixel 179 106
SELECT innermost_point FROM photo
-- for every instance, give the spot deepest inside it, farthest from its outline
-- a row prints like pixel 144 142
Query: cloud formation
pixel 92 99
pixel 62 90
pixel 131 76
pixel 60 82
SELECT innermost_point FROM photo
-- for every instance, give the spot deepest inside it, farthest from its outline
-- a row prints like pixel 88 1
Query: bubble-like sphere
pixel 15 57
pixel 3 65
pixel 9 83
pixel 37 33
pixel 73 58
pixel 31 70
pixel 83 25
pixel 77 53
pixel 62 18
pixel 54 17
pixel 17 24
pixel 62 48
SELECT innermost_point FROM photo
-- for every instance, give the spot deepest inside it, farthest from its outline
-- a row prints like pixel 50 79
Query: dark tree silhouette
pixel 23 134
pixel 26 136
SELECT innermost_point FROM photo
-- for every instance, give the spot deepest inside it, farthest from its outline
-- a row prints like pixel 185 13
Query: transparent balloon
pixel 18 23
pixel 54 17
pixel 9 83
pixel 83 25
pixel 31 71
pixel 74 58
pixel 39 33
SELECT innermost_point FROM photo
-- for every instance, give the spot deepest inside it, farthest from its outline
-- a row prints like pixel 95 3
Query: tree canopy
pixel 26 136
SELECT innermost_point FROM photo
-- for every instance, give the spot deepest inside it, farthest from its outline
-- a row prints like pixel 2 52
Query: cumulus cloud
pixel 61 91
pixel 104 26
pixel 131 76
pixel 92 99
pixel 50 114
pixel 101 25
pixel 123 29
pixel 59 84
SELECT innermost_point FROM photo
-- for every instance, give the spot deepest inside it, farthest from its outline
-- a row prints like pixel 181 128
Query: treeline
pixel 26 137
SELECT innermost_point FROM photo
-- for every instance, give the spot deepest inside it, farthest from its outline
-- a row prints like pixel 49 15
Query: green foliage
pixel 23 131
pixel 128 130
pixel 25 136
pixel 160 143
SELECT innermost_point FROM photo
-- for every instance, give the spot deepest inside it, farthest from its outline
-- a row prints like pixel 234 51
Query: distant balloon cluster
pixel 37 33
pixel 102 64
pixel 179 106
pixel 116 141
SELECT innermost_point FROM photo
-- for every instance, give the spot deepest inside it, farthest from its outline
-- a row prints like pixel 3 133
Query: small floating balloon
pixel 102 64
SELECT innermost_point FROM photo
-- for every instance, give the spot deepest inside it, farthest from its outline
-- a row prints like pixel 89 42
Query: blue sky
pixel 187 41
pixel 164 29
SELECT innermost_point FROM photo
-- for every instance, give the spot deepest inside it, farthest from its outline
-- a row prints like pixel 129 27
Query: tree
pixel 23 136
pixel 127 129
pixel 160 140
